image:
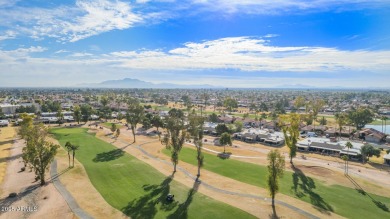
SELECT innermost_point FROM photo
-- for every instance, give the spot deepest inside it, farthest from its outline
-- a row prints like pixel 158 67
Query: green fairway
pixel 344 201
pixel 109 124
pixel 136 188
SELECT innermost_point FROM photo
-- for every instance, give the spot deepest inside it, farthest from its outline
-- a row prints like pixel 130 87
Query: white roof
pixel 4 122
pixel 210 125
pixel 8 105
pixel 387 157
pixel 355 145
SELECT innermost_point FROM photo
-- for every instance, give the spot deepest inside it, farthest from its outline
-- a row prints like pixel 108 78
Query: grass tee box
pixel 347 202
pixel 136 188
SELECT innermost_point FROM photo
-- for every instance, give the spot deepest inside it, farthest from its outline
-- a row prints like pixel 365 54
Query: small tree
pixel 213 117
pixel 275 171
pixel 195 129
pixel 221 128
pixel 290 127
pixel 225 139
pixel 157 122
pixel 176 134
pixel 113 127
pixel 118 132
pixel 134 115
pixel 146 121
pixel 360 117
pixel 238 125
pixel 77 114
pixel 26 125
pixel 369 151
pixel 86 112
pixel 230 104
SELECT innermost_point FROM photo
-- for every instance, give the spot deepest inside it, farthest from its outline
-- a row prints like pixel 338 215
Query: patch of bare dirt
pixel 32 200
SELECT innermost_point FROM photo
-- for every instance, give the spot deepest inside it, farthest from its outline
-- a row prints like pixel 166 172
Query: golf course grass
pixel 341 200
pixel 136 188
pixel 109 125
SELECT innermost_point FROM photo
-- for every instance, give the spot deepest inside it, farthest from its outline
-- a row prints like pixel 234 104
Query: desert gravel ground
pixel 33 201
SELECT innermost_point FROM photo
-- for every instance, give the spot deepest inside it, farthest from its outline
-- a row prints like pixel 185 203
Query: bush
pixel 12 195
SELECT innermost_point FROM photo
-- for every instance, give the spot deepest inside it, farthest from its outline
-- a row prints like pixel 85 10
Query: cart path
pixel 65 193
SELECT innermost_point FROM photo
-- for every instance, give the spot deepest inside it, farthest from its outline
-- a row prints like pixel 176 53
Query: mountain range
pixel 135 83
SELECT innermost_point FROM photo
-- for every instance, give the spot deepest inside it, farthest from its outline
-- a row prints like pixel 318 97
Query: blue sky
pixel 235 43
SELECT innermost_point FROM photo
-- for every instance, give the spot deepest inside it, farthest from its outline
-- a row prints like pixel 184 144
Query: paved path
pixel 298 210
pixel 65 193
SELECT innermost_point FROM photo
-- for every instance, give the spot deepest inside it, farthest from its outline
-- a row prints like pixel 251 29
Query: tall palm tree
pixel 341 120
pixel 345 158
pixel 348 145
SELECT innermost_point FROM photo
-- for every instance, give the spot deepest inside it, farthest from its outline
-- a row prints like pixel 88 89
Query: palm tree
pixel 345 158
pixel 68 146
pixel 71 147
pixel 341 120
pixel 348 145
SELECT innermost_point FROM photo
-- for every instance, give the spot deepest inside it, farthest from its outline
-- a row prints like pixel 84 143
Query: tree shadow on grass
pixel 360 190
pixel 108 156
pixel 182 210
pixel 224 156
pixel 303 185
pixel 146 205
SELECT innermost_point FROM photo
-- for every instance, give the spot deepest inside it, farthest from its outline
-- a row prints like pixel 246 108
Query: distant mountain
pixel 135 83
pixel 303 86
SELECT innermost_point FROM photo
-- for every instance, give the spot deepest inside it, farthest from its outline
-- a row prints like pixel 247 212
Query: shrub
pixel 12 195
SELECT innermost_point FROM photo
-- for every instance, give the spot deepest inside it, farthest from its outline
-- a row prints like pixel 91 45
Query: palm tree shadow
pixel 182 210
pixel 360 190
pixel 146 205
pixel 303 185
pixel 108 156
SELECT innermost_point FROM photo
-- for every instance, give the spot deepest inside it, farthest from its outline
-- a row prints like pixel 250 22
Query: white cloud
pixel 283 6
pixel 61 51
pixel 9 34
pixel 81 54
pixel 7 3
pixel 87 18
pixel 254 54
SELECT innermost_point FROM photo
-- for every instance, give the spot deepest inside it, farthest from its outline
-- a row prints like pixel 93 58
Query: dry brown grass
pixel 6 141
